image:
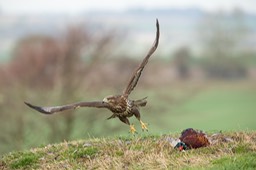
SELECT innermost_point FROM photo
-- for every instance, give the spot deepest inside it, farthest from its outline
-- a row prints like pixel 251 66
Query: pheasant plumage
pixel 192 139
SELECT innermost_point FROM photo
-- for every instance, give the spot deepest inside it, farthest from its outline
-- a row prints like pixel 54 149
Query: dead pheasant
pixel 191 138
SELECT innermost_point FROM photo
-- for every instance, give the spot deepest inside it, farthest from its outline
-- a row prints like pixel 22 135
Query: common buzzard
pixel 121 106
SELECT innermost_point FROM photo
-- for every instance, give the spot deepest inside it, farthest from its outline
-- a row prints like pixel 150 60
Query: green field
pixel 217 106
pixel 212 106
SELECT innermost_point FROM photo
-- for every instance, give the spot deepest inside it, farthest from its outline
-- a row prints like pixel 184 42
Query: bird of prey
pixel 120 105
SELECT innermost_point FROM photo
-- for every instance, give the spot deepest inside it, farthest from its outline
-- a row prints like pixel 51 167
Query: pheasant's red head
pixel 181 146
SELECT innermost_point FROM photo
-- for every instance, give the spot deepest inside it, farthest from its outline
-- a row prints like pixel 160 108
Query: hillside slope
pixel 229 150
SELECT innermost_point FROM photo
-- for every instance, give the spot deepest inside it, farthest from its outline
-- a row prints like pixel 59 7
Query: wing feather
pixel 53 109
pixel 136 75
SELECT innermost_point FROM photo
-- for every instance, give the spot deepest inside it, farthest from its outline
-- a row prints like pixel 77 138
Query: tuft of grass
pixel 242 148
pixel 24 160
pixel 89 152
pixel 139 152
pixel 243 161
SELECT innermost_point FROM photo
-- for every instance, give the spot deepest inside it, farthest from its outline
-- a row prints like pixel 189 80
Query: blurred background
pixel 203 74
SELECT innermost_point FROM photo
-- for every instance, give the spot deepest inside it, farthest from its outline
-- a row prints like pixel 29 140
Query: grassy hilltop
pixel 231 150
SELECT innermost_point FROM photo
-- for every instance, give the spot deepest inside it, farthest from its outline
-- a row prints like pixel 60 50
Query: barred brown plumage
pixel 121 106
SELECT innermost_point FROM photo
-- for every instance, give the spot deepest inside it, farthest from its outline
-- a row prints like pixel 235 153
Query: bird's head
pixel 112 99
pixel 117 103
pixel 181 146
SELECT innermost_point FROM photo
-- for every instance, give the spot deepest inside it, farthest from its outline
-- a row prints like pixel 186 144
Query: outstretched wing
pixel 53 109
pixel 136 75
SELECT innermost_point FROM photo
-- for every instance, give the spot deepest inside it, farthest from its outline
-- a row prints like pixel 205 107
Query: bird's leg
pixel 132 129
pixel 143 125
pixel 137 115
pixel 126 121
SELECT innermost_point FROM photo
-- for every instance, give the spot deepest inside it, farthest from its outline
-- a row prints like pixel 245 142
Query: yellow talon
pixel 143 126
pixel 132 129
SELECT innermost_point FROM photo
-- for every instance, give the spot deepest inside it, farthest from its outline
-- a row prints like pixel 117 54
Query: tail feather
pixel 140 102
pixel 111 117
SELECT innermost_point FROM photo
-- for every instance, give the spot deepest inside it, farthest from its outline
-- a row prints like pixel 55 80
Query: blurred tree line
pixel 223 38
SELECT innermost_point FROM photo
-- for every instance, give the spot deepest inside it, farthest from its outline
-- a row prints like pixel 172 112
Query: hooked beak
pixel 105 100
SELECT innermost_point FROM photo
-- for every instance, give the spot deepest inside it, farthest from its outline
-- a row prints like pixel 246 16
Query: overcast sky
pixel 77 6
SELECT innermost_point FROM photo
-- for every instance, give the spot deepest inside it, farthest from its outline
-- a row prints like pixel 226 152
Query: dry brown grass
pixel 148 152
